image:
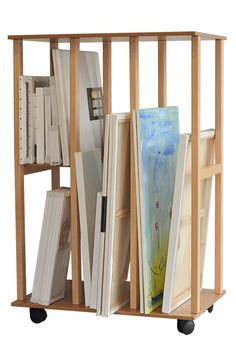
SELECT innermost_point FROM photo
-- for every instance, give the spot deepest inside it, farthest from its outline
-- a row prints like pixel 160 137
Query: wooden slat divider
pixel 219 46
pixel 195 185
pixel 55 171
pixel 162 87
pixel 19 177
pixel 74 147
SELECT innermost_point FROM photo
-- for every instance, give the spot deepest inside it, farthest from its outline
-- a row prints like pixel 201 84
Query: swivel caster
pixel 185 327
pixel 37 315
pixel 210 309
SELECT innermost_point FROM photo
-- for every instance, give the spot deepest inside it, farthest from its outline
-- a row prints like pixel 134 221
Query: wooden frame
pixel 201 300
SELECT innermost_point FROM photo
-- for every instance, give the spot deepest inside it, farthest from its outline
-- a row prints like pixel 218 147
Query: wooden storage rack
pixel 201 299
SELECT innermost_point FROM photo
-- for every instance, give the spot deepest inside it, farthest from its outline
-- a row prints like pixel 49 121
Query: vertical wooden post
pixel 134 105
pixel 19 177
pixel 107 88
pixel 195 186
pixel 162 73
pixel 219 160
pixel 74 147
pixel 55 171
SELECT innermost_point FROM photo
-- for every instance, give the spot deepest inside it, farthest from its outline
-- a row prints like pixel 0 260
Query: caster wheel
pixel 37 315
pixel 210 309
pixel 185 327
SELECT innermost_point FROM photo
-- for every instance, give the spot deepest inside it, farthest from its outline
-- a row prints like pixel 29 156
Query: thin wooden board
pixel 208 298
pixel 99 37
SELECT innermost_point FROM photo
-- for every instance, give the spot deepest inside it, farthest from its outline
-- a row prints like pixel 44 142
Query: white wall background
pixel 29 17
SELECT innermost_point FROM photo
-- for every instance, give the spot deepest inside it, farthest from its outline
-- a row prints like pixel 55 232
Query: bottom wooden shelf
pixel 208 298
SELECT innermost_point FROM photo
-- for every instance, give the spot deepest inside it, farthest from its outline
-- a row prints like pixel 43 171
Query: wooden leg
pixel 195 141
pixel 134 105
pixel 74 147
pixel 219 160
pixel 162 73
pixel 19 178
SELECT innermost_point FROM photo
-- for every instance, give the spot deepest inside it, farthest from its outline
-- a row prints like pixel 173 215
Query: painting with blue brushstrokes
pixel 158 136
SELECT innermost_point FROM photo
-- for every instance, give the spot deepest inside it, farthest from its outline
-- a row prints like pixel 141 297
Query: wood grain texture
pixel 219 160
pixel 55 171
pixel 210 171
pixel 107 86
pixel 195 185
pixel 74 147
pixel 120 37
pixel 208 298
pixel 162 87
pixel 134 105
pixel 19 177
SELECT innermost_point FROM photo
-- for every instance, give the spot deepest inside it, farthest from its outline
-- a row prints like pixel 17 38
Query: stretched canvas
pixel 178 270
pixel 116 261
pixel 137 186
pixel 158 138
pixel 90 92
pixel 89 183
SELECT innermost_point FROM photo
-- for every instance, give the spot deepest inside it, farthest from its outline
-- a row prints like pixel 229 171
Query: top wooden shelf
pixel 119 37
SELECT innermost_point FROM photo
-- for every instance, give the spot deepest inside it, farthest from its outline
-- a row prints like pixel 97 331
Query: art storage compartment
pixel 121 141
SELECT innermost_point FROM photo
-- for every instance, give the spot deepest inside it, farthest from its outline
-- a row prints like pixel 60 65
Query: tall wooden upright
pixel 55 171
pixel 134 105
pixel 162 86
pixel 74 147
pixel 107 88
pixel 195 186
pixel 219 160
pixel 19 178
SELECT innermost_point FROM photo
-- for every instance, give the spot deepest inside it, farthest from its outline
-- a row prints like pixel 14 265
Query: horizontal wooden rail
pixel 210 171
pixel 34 168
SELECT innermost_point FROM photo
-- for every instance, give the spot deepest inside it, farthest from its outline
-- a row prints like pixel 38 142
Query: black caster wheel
pixel 37 315
pixel 185 327
pixel 210 309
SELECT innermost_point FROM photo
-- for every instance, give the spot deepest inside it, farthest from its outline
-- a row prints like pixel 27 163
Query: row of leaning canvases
pixel 162 161
pixel 163 176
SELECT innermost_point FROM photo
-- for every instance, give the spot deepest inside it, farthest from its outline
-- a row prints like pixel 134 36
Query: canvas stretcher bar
pixel 134 105
pixel 74 147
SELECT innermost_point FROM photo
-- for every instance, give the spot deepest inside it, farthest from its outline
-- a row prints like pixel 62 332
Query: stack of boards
pixel 105 217
pixel 54 249
pixel 44 104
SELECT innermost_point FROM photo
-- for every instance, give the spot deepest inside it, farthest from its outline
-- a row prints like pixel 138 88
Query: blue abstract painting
pixel 158 132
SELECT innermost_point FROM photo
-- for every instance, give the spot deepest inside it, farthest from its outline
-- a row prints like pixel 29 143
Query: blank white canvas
pixel 178 270
pixel 90 130
pixel 95 269
pixel 89 183
pixel 116 261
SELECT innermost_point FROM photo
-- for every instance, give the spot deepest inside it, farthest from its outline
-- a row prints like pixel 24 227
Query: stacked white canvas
pixel 54 249
pixel 27 96
pixel 113 288
pixel 89 182
pixel 90 127
pixel 39 124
